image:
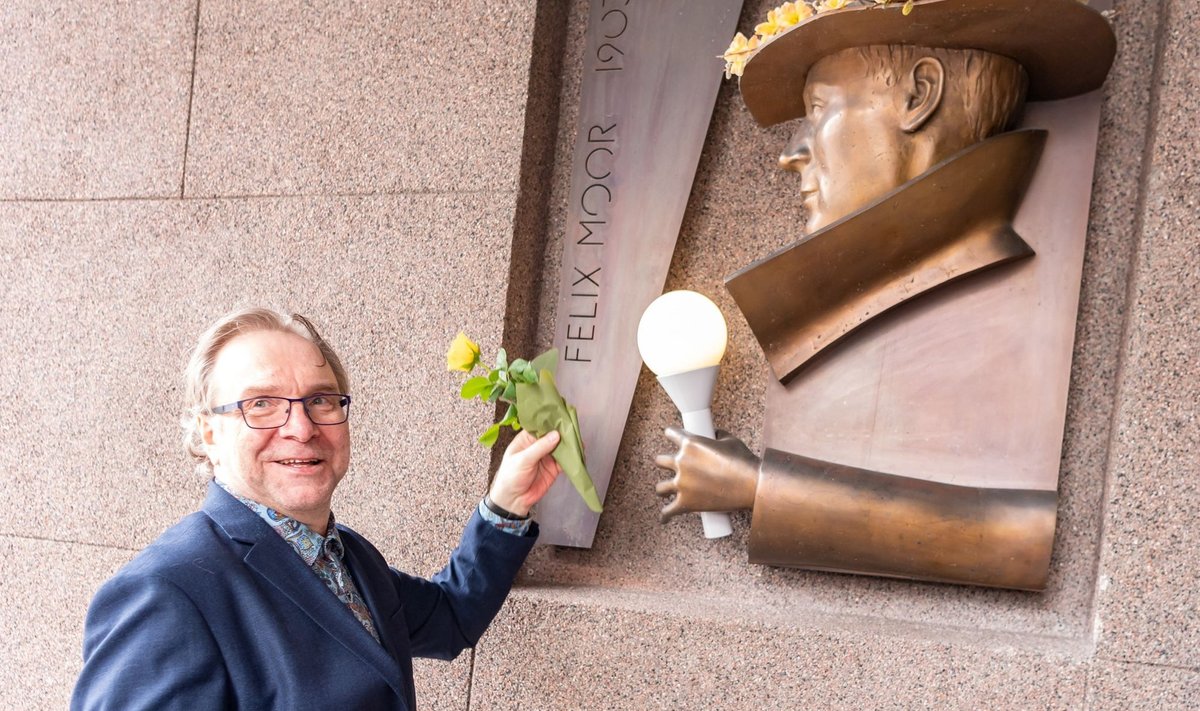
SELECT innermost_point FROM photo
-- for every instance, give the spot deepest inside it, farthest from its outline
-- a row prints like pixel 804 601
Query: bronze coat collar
pixel 953 220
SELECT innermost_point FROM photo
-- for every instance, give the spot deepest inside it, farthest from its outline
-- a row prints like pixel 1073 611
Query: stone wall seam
pixel 1163 20
pixel 65 542
pixel 531 213
pixel 234 198
pixel 470 677
pixel 95 200
pixel 187 129
pixel 1079 648
pixel 1153 665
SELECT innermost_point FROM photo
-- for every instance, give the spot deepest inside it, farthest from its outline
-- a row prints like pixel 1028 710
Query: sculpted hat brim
pixel 1065 46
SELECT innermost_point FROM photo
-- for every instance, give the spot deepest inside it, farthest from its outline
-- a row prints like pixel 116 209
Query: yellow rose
pixel 463 354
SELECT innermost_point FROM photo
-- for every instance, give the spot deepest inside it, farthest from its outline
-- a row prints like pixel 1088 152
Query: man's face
pixel 848 147
pixel 294 468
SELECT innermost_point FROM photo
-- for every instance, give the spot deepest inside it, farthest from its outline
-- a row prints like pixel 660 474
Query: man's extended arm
pixel 451 612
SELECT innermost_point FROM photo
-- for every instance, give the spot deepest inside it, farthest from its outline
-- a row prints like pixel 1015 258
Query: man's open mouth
pixel 299 462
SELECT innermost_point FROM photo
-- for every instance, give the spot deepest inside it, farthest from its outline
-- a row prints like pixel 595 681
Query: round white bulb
pixel 681 331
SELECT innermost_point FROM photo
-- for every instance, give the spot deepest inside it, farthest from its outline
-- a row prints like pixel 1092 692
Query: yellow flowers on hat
pixel 782 19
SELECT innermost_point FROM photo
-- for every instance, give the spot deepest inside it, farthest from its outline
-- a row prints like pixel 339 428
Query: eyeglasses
pixel 267 413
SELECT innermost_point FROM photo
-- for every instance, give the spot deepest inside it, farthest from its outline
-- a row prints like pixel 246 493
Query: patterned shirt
pixel 323 554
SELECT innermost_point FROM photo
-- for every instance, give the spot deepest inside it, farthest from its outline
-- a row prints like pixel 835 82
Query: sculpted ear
pixel 923 88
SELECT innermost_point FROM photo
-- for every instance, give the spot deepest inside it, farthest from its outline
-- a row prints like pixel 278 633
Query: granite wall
pixel 166 160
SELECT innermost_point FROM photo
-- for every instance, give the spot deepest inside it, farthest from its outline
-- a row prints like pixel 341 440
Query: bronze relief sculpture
pixel 911 178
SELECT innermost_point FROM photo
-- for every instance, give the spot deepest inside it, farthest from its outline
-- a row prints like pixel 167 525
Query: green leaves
pixel 521 372
pixel 534 403
pixel 474 387
pixel 500 385
pixel 490 435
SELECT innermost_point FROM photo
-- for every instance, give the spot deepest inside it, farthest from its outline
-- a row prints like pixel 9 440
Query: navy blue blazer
pixel 221 613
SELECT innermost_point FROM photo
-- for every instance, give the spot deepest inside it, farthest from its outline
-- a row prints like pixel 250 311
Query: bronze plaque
pixel 920 331
pixel 967 384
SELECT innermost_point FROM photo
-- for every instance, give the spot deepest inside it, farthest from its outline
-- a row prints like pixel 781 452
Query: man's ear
pixel 923 88
pixel 204 426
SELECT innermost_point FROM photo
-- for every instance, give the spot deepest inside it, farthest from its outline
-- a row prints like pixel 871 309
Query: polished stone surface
pixel 364 97
pixel 94 98
pixel 613 653
pixel 1142 687
pixel 46 588
pixel 1148 593
pixel 94 333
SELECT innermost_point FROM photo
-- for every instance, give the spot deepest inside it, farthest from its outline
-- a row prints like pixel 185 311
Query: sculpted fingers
pixel 665 487
pixel 670 511
pixel 665 461
pixel 675 435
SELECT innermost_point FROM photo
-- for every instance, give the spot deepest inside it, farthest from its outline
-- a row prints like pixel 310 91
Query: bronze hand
pixel 710 475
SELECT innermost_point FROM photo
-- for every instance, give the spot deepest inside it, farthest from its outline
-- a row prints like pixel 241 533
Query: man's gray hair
pixel 983 91
pixel 197 383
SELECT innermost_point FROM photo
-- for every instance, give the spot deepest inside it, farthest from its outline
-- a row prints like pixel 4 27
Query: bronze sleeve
pixel 814 514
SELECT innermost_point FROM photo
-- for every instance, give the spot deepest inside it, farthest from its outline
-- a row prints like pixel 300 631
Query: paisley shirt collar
pixel 306 542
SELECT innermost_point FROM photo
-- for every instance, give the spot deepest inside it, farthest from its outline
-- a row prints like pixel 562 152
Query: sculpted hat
pixel 1065 46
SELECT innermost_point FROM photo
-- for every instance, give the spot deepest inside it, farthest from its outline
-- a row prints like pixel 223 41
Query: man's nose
pixel 796 154
pixel 299 425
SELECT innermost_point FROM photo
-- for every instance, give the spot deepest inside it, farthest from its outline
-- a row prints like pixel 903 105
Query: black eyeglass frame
pixel 230 407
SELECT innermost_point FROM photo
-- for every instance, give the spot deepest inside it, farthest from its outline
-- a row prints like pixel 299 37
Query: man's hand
pixel 526 472
pixel 710 475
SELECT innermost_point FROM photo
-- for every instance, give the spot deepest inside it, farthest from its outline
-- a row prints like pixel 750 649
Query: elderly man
pixel 260 600
pixel 910 181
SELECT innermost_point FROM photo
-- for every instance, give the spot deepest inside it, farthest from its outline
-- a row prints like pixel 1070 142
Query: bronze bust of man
pixel 910 178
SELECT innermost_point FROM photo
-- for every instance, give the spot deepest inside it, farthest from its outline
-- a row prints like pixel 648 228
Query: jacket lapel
pixel 370 582
pixel 271 557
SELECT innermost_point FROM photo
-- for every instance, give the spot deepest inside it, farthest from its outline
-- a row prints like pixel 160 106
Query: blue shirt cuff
pixel 516 528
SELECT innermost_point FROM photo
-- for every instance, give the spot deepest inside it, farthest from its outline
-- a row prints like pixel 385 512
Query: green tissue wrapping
pixel 540 409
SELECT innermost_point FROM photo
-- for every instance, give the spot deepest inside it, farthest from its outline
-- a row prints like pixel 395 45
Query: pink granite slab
pixel 94 97
pixel 1142 687
pixel 47 586
pixel 101 302
pixel 363 97
pixel 595 652
pixel 1148 592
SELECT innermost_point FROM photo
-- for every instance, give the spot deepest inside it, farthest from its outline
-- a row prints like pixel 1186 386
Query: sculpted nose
pixel 796 153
